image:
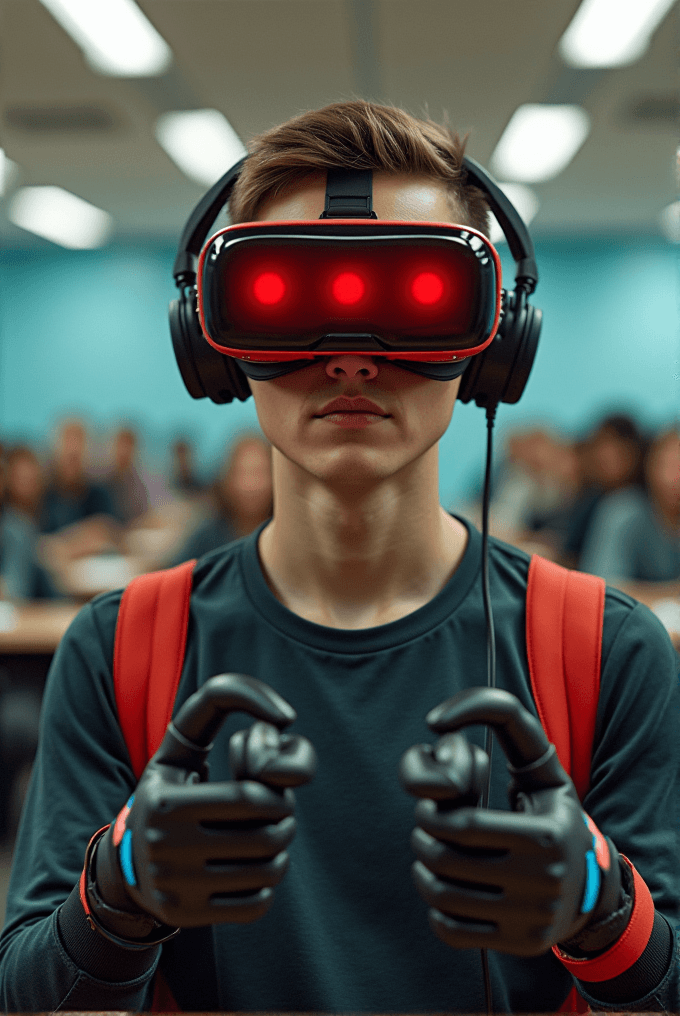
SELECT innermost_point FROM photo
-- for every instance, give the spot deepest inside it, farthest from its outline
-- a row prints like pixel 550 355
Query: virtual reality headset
pixel 260 299
pixel 277 291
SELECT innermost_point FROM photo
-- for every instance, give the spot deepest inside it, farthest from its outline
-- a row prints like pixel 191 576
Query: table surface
pixel 34 627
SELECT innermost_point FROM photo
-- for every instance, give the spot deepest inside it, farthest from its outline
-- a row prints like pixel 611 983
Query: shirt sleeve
pixel 634 797
pixel 50 959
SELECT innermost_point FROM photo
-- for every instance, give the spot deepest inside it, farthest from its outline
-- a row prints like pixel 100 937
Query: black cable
pixel 490 646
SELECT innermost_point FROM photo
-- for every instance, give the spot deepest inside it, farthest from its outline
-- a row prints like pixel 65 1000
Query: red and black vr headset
pixel 277 291
pixel 264 298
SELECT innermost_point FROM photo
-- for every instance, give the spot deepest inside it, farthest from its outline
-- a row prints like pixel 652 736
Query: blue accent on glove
pixel 593 878
pixel 125 857
pixel 130 800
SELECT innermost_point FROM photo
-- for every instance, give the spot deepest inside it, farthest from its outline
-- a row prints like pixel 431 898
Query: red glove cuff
pixel 627 949
pixel 83 875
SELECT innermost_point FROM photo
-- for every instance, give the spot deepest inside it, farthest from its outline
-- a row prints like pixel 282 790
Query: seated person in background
pixel 241 499
pixel 634 539
pixel 610 458
pixel 125 486
pixel 22 577
pixel 535 491
pixel 183 477
pixel 70 495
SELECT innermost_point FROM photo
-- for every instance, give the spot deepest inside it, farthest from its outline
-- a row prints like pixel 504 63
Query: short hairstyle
pixel 360 135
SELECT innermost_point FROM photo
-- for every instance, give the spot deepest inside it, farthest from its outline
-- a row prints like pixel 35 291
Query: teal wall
pixel 86 332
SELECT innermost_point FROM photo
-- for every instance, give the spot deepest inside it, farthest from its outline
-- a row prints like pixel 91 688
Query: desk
pixel 34 628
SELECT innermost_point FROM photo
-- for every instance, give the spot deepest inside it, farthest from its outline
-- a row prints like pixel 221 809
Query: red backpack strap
pixel 148 656
pixel 564 643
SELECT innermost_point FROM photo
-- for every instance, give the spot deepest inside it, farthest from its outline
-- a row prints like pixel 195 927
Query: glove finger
pixel 461 934
pixel 263 753
pixel 266 841
pixel 229 801
pixel 220 909
pixel 470 901
pixel 467 900
pixel 453 770
pixel 520 734
pixel 521 878
pixel 218 877
pixel 204 712
pixel 478 829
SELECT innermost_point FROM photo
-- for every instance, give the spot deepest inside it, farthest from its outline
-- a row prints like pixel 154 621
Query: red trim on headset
pixel 262 356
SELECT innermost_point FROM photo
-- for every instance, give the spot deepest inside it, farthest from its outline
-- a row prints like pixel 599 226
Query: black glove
pixel 184 852
pixel 519 881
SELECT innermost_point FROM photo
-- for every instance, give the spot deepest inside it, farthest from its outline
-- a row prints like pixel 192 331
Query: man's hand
pixel 518 881
pixel 187 852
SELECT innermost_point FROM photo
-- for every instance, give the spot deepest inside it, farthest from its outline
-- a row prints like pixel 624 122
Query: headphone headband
pixel 204 214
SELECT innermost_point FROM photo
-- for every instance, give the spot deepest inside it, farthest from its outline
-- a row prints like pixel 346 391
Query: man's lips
pixel 347 405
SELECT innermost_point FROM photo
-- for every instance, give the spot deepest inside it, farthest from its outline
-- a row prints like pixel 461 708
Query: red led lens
pixel 348 288
pixel 269 288
pixel 427 288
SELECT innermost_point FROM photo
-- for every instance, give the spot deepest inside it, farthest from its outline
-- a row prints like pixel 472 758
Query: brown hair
pixel 360 135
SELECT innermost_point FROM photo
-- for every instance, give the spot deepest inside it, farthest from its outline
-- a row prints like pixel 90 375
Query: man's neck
pixel 363 557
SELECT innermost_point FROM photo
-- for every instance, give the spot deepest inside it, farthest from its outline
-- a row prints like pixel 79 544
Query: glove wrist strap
pixel 628 947
pixel 144 930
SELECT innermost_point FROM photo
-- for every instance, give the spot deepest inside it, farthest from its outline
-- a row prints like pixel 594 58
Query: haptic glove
pixel 519 881
pixel 185 852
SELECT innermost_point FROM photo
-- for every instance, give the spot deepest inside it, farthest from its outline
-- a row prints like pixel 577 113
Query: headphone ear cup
pixel 205 372
pixel 501 372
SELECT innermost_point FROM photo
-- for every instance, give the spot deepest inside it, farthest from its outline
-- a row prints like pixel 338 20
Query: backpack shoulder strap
pixel 564 641
pixel 148 656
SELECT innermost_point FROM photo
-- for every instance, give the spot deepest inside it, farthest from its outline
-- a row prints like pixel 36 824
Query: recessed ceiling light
pixel 201 142
pixel 670 222
pixel 8 173
pixel 611 33
pixel 115 36
pixel 60 216
pixel 525 201
pixel 539 142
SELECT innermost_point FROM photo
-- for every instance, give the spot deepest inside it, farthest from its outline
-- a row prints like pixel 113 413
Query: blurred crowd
pixel 71 527
pixel 606 503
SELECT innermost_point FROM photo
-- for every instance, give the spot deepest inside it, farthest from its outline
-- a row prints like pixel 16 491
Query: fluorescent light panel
pixel 201 142
pixel 670 222
pixel 115 36
pixel 525 201
pixel 539 142
pixel 60 216
pixel 611 33
pixel 8 173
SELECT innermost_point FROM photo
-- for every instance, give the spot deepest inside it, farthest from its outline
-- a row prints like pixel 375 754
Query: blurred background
pixel 116 116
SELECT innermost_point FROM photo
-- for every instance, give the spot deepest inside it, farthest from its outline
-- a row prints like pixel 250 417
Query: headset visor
pixel 411 290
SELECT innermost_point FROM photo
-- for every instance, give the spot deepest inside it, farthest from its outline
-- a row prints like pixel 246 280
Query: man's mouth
pixel 358 405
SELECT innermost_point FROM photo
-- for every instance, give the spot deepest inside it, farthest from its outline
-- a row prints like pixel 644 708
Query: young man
pixel 359 604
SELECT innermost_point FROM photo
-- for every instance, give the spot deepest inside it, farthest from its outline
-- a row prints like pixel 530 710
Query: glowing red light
pixel 427 287
pixel 269 288
pixel 348 288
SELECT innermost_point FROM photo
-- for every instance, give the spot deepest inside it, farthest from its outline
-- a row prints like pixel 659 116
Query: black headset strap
pixel 510 221
pixel 353 200
pixel 200 220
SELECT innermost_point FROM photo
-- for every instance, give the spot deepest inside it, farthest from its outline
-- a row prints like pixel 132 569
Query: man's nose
pixel 351 366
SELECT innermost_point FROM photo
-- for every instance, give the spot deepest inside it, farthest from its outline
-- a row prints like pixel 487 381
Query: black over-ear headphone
pixel 499 374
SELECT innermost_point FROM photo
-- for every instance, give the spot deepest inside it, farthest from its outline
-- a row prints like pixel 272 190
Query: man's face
pixel 410 412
